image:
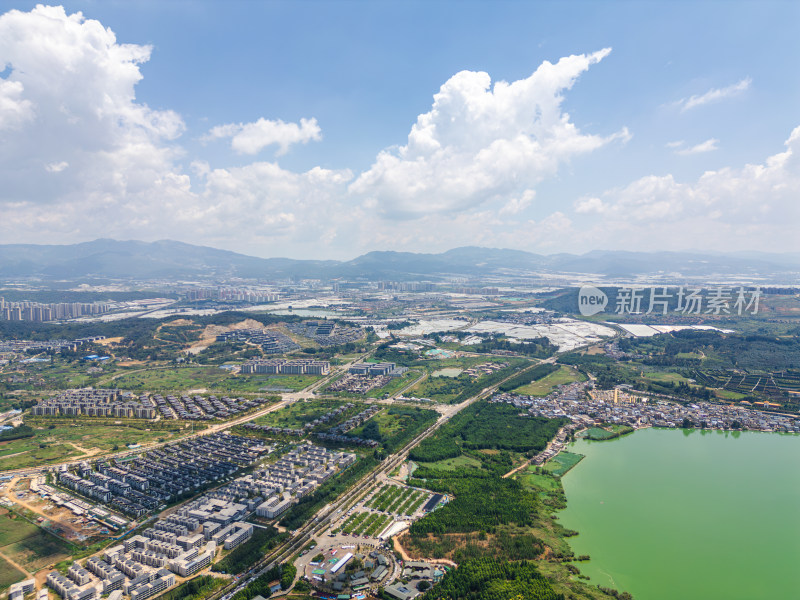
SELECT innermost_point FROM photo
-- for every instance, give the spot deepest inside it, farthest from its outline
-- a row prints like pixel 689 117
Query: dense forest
pixel 480 504
pixel 711 349
pixel 485 425
pixel 491 579
pixel 488 515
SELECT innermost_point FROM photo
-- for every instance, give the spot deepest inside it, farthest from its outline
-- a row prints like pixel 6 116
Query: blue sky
pixel 672 129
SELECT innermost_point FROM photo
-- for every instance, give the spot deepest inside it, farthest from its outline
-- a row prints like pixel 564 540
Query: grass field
pixel 389 424
pixel 536 481
pixel 546 384
pixel 37 551
pixel 450 464
pixel 606 433
pixel 27 454
pixel 9 574
pixel 266 383
pixel 59 440
pixel 172 378
pixel 562 463
pixel 440 389
pixel 29 545
pixel 664 377
pixel 14 529
pixel 597 433
pixel 298 414
pixel 212 378
pixel 60 374
pixel 729 394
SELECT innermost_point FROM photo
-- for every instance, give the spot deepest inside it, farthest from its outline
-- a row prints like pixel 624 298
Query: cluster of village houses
pixel 620 406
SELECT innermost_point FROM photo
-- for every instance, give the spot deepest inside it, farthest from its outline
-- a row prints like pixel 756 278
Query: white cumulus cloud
pixel 708 146
pixel 251 138
pixel 481 142
pixel 14 110
pixel 81 157
pixel 715 95
pixel 68 108
pixel 725 209
pixel 68 98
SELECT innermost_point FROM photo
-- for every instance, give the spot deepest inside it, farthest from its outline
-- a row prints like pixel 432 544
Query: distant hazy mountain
pixel 110 259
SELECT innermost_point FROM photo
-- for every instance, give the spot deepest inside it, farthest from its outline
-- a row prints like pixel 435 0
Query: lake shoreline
pixel 640 499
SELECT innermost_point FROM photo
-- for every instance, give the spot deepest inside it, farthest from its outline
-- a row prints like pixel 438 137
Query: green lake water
pixel 671 514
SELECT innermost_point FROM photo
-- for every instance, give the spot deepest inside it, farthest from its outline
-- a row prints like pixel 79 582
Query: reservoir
pixel 671 513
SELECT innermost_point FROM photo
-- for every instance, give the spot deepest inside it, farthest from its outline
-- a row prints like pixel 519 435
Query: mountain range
pixel 167 259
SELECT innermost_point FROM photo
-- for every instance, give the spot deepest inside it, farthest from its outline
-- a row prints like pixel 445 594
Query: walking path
pixel 554 446
pixel 15 564
pixel 406 557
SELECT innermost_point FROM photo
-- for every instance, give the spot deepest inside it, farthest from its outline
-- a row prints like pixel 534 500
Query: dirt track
pixel 406 557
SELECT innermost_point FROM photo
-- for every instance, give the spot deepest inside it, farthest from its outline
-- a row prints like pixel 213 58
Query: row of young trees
pixel 194 589
pixel 284 573
pixel 16 433
pixel 243 557
pixel 535 348
pixel 327 492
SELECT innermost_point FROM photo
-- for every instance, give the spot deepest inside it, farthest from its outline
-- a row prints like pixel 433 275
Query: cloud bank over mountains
pixel 81 157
